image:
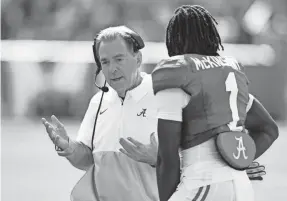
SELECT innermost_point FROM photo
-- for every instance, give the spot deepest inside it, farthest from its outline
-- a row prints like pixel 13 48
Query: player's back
pixel 218 90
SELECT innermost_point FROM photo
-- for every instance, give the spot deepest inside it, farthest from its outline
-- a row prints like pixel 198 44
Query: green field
pixel 32 171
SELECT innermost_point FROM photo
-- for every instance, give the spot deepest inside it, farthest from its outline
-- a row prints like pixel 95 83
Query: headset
pixel 138 44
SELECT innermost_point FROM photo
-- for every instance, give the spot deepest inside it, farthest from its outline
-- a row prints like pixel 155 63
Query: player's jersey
pixel 219 94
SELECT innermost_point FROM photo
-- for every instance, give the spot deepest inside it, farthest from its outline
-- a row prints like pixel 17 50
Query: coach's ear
pixel 139 59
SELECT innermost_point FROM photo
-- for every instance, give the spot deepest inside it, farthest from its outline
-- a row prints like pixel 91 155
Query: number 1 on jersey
pixel 231 85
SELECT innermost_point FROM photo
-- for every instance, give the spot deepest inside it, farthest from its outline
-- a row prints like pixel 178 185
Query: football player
pixel 206 110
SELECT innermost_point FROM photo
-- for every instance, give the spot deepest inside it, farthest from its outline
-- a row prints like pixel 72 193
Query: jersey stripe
pixel 197 194
pixel 205 193
pixel 250 102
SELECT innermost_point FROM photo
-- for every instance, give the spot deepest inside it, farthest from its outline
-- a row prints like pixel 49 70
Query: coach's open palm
pixel 145 153
pixel 57 132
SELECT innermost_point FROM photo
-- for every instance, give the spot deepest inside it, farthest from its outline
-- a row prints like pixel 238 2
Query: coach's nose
pixel 113 69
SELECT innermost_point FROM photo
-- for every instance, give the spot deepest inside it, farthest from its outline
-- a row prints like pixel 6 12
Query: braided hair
pixel 192 30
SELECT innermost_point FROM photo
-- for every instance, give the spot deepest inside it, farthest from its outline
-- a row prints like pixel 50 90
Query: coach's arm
pixel 79 153
pixel 261 126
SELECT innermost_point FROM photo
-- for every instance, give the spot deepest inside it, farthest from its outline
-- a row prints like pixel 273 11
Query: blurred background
pixel 47 68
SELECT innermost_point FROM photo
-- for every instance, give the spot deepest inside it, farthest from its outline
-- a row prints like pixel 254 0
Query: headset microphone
pixel 103 88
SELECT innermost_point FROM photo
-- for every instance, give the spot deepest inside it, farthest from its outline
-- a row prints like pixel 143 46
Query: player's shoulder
pixel 172 62
pixel 233 62
pixel 170 73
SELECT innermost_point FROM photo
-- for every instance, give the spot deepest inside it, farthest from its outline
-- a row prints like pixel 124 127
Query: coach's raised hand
pixel 57 132
pixel 145 153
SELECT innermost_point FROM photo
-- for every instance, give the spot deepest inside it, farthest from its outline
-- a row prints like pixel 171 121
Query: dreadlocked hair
pixel 192 30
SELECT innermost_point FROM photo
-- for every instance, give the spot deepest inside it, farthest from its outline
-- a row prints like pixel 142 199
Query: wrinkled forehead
pixel 113 47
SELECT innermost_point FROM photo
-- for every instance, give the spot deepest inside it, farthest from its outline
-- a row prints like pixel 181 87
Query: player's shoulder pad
pixel 170 73
pixel 172 62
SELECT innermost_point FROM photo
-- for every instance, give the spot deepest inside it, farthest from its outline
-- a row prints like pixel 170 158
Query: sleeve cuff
pixel 170 116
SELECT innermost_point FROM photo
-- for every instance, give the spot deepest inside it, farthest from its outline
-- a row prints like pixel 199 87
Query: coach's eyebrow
pixel 103 59
pixel 119 55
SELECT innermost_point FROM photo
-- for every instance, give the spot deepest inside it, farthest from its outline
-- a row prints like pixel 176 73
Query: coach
pixel 127 110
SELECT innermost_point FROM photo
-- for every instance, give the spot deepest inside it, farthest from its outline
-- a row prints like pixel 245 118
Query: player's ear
pixel 139 58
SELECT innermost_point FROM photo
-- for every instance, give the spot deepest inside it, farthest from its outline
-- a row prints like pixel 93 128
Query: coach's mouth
pixel 116 79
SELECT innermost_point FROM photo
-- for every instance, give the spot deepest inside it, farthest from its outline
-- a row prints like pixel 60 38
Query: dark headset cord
pixel 93 136
pixel 96 118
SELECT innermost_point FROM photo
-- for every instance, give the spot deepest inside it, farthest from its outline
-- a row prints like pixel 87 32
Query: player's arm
pixel 168 162
pixel 261 126
pixel 170 103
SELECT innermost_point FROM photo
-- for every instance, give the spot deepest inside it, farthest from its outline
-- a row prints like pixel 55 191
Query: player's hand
pixel 256 171
pixel 57 133
pixel 140 152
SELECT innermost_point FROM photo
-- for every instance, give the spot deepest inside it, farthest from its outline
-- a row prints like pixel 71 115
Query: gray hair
pixel 113 33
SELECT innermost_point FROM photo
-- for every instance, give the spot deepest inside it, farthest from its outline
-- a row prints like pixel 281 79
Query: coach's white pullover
pixel 118 177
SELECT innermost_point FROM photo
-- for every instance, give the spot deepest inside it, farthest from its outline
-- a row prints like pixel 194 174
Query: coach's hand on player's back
pixel 145 153
pixel 57 132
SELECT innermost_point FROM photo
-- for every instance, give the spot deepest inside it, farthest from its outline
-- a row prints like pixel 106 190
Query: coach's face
pixel 119 64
